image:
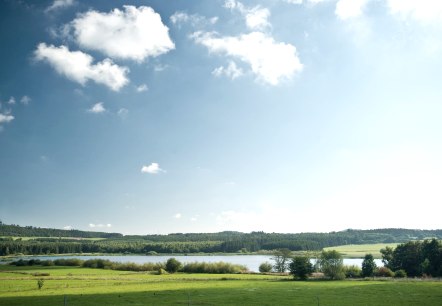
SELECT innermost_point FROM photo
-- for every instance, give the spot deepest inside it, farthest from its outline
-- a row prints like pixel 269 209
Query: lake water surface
pixel 252 262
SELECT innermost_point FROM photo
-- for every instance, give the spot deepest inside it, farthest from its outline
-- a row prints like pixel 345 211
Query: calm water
pixel 252 262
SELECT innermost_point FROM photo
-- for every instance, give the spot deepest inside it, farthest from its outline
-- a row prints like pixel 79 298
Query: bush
pixel 352 271
pixel 40 283
pixel 98 263
pixel 384 272
pixel 400 274
pixel 173 265
pixel 47 263
pixel 265 267
pixel 68 262
pixel 213 267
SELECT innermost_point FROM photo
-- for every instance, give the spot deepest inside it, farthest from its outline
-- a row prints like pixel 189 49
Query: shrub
pixel 69 262
pixel 384 272
pixel 352 271
pixel 47 263
pixel 400 274
pixel 213 267
pixel 265 267
pixel 331 264
pixel 40 283
pixel 173 265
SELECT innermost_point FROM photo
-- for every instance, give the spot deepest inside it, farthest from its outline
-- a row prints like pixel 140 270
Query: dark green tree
pixel 300 267
pixel 387 256
pixel 173 265
pixel 368 266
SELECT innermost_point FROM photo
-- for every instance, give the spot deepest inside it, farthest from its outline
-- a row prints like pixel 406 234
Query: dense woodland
pixel 55 241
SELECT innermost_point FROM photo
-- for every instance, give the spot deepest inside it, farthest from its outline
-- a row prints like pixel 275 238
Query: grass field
pixel 83 286
pixel 359 250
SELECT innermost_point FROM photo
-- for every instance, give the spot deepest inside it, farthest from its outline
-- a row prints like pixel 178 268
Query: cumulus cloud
pixel 153 168
pixel 231 71
pixel 97 108
pixel 177 216
pixel 256 17
pixel 132 33
pixel 67 227
pixel 142 87
pixel 419 10
pixel 6 118
pixel 346 9
pixel 59 4
pixel 78 66
pixel 11 101
pixel 269 60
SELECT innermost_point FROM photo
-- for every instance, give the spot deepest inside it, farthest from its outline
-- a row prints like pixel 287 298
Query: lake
pixel 252 262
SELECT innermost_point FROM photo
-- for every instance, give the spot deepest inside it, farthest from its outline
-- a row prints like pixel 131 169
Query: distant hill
pixel 12 230
pixel 224 242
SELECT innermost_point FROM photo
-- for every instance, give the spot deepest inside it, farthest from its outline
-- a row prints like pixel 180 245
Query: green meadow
pixel 85 286
pixel 359 250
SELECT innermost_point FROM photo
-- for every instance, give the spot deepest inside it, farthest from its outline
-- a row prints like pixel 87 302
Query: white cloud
pixel 420 10
pixel 11 101
pixel 270 61
pixel 97 108
pixel 92 225
pixel 68 227
pixel 346 9
pixel 59 4
pixel 77 66
pixel 133 33
pixel 142 87
pixel 177 216
pixel 179 18
pixel 123 113
pixel 231 71
pixel 153 168
pixel 5 118
pixel 25 100
pixel 256 17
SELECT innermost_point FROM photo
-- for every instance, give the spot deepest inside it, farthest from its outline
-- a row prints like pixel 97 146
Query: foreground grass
pixel 359 250
pixel 83 286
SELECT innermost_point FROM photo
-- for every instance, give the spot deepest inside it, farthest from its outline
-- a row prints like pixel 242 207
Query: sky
pixel 155 117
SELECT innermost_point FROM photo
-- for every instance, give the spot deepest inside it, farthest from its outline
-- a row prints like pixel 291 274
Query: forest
pixel 56 241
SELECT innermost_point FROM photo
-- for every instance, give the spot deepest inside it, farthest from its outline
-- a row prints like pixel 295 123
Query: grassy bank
pixel 84 286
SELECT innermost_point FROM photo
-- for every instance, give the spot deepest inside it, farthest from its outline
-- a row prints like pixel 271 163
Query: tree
pixel 281 258
pixel 387 257
pixel 408 257
pixel 300 267
pixel 172 265
pixel 265 267
pixel 331 264
pixel 368 266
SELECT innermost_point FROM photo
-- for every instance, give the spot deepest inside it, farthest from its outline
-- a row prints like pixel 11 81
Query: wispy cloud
pixel 153 168
pixel 142 88
pixel 97 108
pixel 177 216
pixel 133 33
pixel 77 66
pixel 231 71
pixel 123 113
pixel 93 225
pixel 11 101
pixel 346 9
pixel 59 4
pixel 25 100
pixel 68 227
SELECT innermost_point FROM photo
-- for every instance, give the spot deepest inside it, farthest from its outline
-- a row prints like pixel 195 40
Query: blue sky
pixel 201 116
